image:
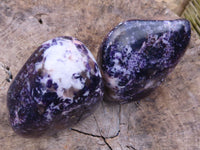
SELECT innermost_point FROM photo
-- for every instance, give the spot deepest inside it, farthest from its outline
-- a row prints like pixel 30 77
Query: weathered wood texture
pixel 168 119
pixel 177 6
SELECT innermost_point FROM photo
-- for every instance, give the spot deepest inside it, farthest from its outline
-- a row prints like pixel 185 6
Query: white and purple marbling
pixel 58 85
pixel 137 55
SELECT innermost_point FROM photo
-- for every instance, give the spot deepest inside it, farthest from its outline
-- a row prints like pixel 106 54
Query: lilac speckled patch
pixel 137 55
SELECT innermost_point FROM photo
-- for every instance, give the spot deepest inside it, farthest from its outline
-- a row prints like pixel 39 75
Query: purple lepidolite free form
pixel 57 86
pixel 137 55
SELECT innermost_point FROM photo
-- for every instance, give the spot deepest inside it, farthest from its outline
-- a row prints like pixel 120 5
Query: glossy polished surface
pixel 137 55
pixel 58 86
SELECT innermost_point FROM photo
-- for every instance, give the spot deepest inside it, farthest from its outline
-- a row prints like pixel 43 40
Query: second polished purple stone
pixel 137 55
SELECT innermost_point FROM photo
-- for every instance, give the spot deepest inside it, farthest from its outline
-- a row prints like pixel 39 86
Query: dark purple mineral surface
pixel 137 55
pixel 58 85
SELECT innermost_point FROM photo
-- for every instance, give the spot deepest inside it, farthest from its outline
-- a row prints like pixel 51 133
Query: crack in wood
pixel 6 69
pixel 104 139
pixel 40 21
pixel 119 114
pixel 100 132
pixel 114 136
pixel 39 17
pixel 97 136
pixel 85 133
pixel 131 147
pixel 93 135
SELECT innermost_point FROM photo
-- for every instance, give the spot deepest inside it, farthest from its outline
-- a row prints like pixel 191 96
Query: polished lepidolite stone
pixel 137 55
pixel 58 85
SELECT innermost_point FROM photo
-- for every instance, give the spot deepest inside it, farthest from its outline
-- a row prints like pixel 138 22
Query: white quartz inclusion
pixel 60 62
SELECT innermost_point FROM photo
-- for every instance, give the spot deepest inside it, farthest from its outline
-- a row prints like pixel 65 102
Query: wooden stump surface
pixel 168 119
pixel 177 6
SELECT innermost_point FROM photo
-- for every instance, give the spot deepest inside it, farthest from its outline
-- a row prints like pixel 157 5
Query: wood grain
pixel 177 6
pixel 167 119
